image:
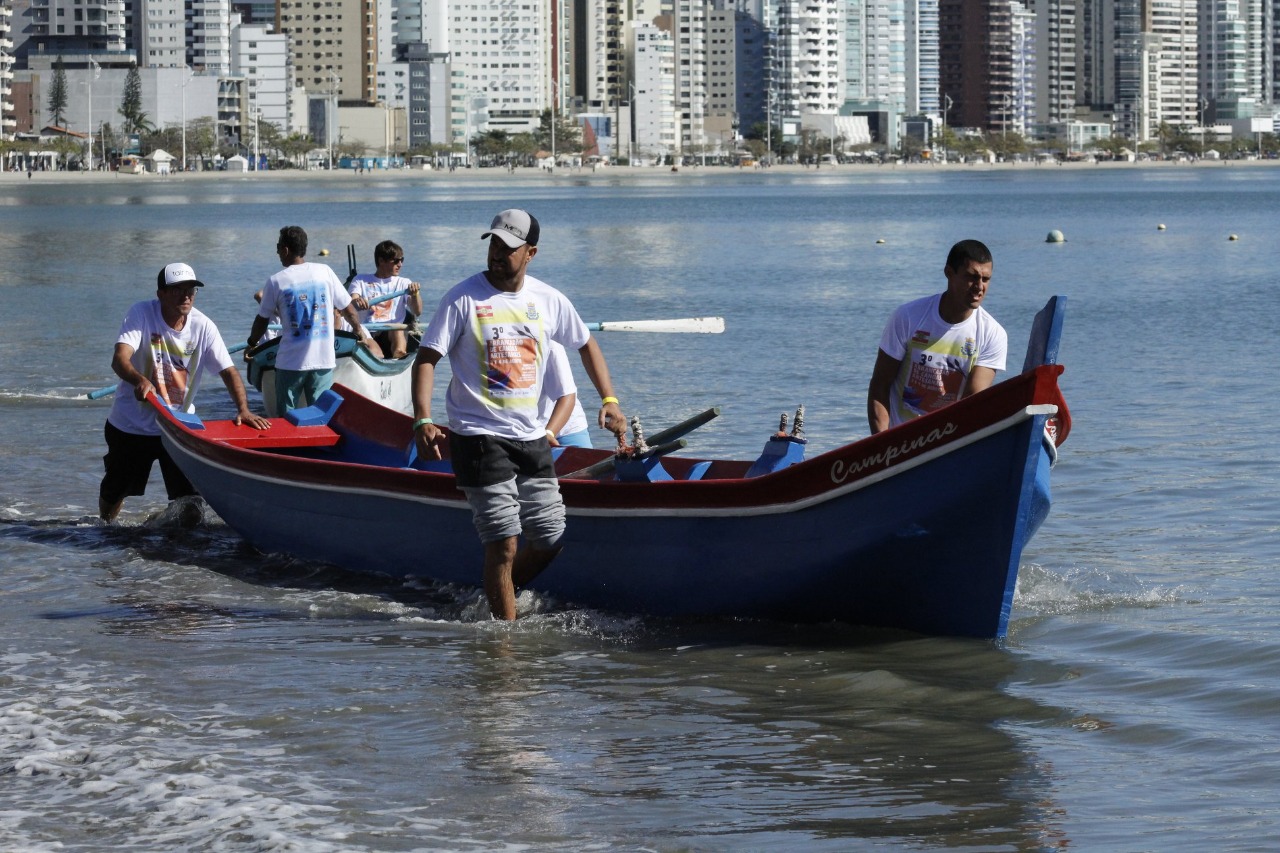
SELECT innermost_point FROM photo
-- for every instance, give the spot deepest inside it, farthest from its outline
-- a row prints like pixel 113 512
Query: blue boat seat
pixel 318 413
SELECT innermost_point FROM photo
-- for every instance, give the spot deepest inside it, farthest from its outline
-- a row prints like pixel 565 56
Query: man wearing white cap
pixel 163 345
pixel 496 327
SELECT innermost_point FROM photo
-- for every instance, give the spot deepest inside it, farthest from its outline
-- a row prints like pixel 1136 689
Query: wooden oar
pixel 668 435
pixel 706 325
pixel 111 389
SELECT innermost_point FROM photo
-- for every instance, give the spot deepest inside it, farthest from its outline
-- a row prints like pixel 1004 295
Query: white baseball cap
pixel 515 227
pixel 177 274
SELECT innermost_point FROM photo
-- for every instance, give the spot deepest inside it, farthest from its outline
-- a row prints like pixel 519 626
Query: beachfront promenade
pixel 612 173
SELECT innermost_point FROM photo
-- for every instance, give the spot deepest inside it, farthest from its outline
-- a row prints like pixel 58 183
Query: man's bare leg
pixel 530 562
pixel 108 512
pixel 399 343
pixel 499 559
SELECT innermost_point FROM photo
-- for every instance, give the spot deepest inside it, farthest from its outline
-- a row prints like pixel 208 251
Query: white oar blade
pixel 704 325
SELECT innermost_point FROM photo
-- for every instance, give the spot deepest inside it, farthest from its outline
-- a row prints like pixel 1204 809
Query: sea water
pixel 164 688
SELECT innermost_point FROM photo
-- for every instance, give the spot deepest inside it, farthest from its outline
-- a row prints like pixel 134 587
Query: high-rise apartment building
pixel 78 30
pixel 1020 109
pixel 652 73
pixel 1056 56
pixel 875 55
pixel 809 57
pixel 1173 88
pixel 975 57
pixel 500 54
pixel 265 62
pixel 922 58
pixel 689 39
pixel 8 121
pixel 334 46
pixel 1096 54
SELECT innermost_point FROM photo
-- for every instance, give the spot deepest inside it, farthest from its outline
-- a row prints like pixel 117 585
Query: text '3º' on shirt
pixel 937 356
pixel 497 344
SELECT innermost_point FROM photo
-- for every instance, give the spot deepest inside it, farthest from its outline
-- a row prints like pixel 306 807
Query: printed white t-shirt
pixel 304 297
pixel 169 358
pixel 558 382
pixel 937 356
pixel 371 287
pixel 497 344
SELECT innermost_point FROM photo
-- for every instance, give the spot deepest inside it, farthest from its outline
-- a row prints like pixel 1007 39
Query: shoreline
pixel 610 173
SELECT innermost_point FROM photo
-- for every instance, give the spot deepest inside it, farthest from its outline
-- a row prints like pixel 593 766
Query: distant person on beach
pixel 304 296
pixel 496 328
pixel 163 345
pixel 939 349
pixel 388 259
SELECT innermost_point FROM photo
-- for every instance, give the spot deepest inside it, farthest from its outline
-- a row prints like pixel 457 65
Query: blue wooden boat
pixel 919 528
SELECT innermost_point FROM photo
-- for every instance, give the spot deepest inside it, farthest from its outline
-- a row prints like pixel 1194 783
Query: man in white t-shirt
pixel 566 422
pixel 388 259
pixel 496 328
pixel 939 349
pixel 163 345
pixel 304 296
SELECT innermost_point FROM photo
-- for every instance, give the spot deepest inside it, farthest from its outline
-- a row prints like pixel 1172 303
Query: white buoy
pixel 324 252
pixel 881 240
pixel 1055 236
pixel 1160 227
pixel 1233 237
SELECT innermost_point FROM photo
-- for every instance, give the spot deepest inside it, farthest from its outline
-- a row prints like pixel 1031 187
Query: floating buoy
pixel 1233 237
pixel 1055 236
pixel 324 252
pixel 1160 227
pixel 881 240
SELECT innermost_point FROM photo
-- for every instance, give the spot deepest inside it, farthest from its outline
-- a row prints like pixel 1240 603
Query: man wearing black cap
pixel 496 327
pixel 163 345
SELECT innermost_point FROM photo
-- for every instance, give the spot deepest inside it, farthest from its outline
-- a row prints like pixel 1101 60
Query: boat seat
pixel 699 470
pixel 318 413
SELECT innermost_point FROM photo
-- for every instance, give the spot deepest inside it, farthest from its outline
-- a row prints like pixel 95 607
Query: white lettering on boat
pixel 841 472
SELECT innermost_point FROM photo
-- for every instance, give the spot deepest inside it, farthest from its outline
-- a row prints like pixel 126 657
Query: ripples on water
pixel 166 687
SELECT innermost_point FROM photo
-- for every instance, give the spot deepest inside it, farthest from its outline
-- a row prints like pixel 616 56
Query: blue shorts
pixel 581 438
pixel 297 388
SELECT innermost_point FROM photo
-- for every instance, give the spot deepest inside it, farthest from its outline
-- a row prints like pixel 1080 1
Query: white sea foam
pixel 1045 592
pixel 161 780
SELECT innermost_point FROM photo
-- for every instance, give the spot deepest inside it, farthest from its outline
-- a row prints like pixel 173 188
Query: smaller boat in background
pixel 385 381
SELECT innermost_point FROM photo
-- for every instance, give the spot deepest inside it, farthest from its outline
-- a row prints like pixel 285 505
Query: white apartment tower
pixel 1172 78
pixel 1020 106
pixel 501 54
pixel 809 57
pixel 78 30
pixel 209 36
pixel 264 60
pixel 179 33
pixel 689 36
pixel 652 72
pixel 923 81
pixel 1055 52
pixel 876 52
pixel 1236 53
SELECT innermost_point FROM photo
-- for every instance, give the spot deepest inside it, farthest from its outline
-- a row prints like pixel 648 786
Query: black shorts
pixel 128 465
pixel 482 460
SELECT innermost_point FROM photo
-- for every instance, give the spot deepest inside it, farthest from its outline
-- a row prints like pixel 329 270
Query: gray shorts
pixel 528 505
